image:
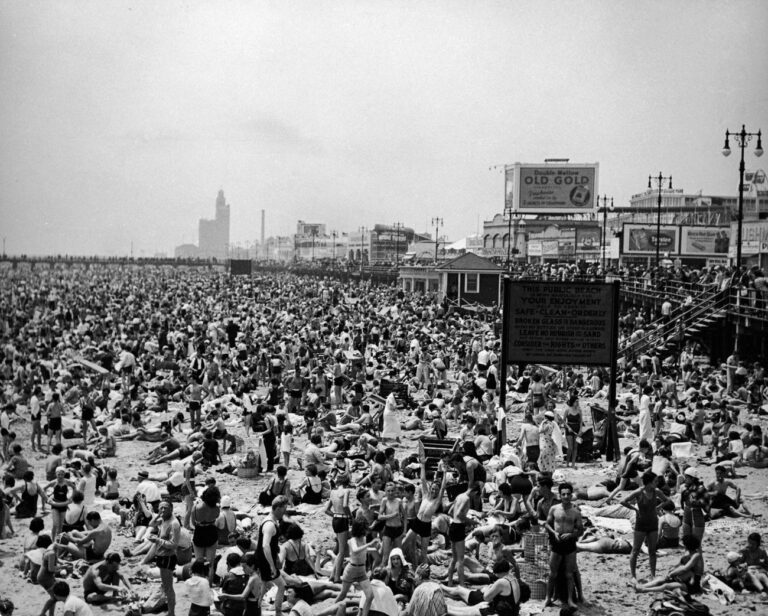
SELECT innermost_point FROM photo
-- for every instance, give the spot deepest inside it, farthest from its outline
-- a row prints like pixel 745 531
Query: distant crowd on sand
pixel 347 387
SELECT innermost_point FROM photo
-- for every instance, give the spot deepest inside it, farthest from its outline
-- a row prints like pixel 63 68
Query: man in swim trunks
pixel 565 526
pixel 90 545
pixel 431 498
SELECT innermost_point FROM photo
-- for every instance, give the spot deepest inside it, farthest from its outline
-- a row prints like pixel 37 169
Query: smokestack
pixel 262 232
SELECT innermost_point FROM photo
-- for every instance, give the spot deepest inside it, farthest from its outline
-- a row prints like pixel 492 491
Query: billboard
pixel 554 188
pixel 240 267
pixel 641 239
pixel 587 239
pixel 704 241
pixel 565 248
pixel 561 322
pixel 549 248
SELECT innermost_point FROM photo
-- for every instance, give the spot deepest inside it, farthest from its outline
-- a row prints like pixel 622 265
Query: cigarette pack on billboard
pixel 704 240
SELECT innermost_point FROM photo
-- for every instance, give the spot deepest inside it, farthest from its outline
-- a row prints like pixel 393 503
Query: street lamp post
pixel 509 236
pixel 519 229
pixel 742 139
pixel 437 222
pixel 659 181
pixel 605 207
pixel 334 235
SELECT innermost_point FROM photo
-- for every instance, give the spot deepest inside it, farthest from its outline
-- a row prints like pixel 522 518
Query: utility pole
pixel 437 222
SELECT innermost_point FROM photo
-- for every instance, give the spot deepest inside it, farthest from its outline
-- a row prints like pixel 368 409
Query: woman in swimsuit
pixel 646 500
pixel 46 575
pixel 313 487
pixel 338 507
pixel 28 495
pixel 206 536
pixel 573 424
pixel 60 499
pixel 295 554
pixel 354 572
pixel 686 576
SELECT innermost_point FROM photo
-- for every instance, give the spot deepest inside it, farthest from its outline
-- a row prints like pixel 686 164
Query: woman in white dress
pixel 391 427
pixel 646 425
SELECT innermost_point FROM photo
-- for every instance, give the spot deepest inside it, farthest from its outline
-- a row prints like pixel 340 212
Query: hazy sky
pixel 120 121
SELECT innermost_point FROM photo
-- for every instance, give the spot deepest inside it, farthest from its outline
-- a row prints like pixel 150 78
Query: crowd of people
pixel 336 395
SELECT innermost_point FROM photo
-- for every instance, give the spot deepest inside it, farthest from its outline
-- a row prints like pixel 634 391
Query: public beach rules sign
pixel 561 322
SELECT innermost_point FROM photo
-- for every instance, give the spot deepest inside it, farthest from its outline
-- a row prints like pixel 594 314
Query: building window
pixel 471 283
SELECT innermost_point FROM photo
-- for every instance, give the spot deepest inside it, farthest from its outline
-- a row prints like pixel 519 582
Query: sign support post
pixel 502 440
pixel 611 432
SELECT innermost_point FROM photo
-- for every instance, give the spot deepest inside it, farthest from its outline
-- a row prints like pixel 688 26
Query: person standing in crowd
pixel 267 550
pixel 54 412
pixel 547 461
pixel 644 418
pixel 205 538
pixel 573 425
pixel 645 501
pixel 167 542
pixel 565 526
pixel 35 415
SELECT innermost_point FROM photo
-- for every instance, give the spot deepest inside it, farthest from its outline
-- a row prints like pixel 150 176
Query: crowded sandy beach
pixel 193 442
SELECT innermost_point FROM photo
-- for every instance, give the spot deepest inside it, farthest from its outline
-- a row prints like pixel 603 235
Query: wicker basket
pixel 246 472
pixel 531 572
pixel 535 547
pixel 538 590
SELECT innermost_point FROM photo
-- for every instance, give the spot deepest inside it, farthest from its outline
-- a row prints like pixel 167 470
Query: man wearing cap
pixel 149 489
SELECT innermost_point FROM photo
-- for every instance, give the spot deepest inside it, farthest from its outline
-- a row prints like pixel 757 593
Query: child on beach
pixel 253 590
pixel 286 444
pixel 112 489
pixel 199 589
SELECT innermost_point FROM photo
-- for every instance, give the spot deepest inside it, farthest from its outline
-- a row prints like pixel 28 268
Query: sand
pixel 604 577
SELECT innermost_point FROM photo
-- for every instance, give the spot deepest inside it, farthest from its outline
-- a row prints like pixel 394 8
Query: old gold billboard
pixel 554 188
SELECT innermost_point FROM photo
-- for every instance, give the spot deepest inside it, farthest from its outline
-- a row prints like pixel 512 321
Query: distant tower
pixel 214 234
pixel 262 232
pixel 222 224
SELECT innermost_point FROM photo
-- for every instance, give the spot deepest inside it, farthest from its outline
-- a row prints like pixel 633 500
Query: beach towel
pixel 717 589
pixel 682 450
